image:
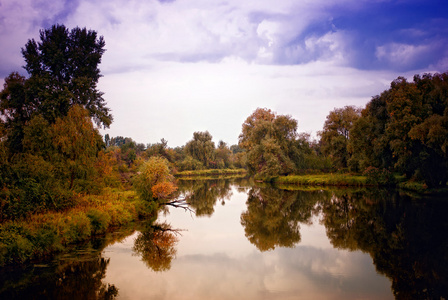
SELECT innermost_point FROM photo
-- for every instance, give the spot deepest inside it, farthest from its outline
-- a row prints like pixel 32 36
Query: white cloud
pixel 401 55
pixel 174 68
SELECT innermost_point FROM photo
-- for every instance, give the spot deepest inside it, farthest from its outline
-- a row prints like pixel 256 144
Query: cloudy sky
pixel 173 67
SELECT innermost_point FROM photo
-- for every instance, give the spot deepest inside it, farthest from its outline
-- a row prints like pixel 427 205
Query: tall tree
pixel 15 109
pixel 202 148
pixel 336 133
pixel 78 142
pixel 63 69
pixel 406 129
pixel 269 140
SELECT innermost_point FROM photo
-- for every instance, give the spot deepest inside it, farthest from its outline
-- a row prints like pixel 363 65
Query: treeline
pixel 404 130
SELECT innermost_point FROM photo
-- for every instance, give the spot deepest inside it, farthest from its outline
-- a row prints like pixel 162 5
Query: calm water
pixel 241 241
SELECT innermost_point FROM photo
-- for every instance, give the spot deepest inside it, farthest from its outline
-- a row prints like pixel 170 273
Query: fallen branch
pixel 179 203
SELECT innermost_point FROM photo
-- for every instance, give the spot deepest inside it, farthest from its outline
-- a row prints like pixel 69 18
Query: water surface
pixel 241 241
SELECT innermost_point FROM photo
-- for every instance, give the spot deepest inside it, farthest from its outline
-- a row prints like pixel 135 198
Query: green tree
pixel 405 129
pixel 368 143
pixel 15 109
pixel 63 69
pixel 336 134
pixel 202 148
pixel 270 142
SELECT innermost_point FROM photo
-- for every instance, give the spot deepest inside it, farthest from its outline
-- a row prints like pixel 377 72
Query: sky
pixel 174 67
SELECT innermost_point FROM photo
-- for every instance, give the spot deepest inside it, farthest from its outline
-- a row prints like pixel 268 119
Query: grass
pixel 210 172
pixel 42 235
pixel 323 180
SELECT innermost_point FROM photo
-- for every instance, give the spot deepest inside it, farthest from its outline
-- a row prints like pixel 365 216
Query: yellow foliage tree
pixel 154 180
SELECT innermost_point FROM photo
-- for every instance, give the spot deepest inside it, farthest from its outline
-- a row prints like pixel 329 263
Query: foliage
pixel 48 232
pixel 406 129
pixel 154 181
pixel 49 145
pixel 336 134
pixel 267 139
pixel 189 163
pixel 210 172
pixel 377 176
pixel 67 61
pixel 156 245
pixel 202 149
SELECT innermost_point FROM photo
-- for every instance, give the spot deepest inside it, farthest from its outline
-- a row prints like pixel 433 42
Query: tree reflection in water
pixel 202 195
pixel 406 238
pixel 75 278
pixel 155 244
pixel 273 216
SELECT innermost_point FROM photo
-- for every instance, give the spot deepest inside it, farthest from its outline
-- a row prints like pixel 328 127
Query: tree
pixel 270 141
pixel 406 129
pixel 154 181
pixel 63 69
pixel 336 134
pixel 78 142
pixel 15 109
pixel 202 148
pixel 222 154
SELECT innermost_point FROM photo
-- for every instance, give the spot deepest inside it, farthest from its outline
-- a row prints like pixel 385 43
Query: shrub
pixel 99 220
pixel 79 228
pixel 378 176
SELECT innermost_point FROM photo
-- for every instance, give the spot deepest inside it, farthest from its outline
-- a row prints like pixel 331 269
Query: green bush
pixel 15 247
pixel 376 176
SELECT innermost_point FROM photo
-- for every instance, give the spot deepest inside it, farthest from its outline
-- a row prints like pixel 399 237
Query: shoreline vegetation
pixel 210 172
pixel 42 235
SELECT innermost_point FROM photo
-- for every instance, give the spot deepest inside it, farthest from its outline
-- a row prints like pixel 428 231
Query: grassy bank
pixel 210 172
pixel 41 235
pixel 323 180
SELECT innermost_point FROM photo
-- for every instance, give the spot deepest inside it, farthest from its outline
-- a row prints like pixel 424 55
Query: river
pixel 239 240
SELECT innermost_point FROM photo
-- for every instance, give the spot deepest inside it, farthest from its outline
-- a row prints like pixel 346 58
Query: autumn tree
pixel 336 134
pixel 154 181
pixel 222 154
pixel 156 246
pixel 77 142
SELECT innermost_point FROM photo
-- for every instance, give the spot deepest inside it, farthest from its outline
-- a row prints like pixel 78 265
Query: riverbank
pixel 210 172
pixel 323 180
pixel 42 235
pixel 350 180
